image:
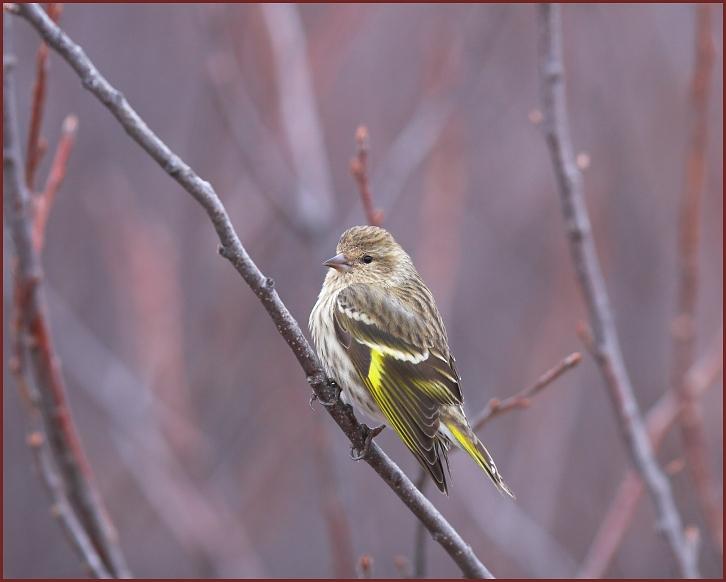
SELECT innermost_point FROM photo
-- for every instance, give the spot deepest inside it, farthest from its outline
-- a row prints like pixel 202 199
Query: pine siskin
pixel 379 335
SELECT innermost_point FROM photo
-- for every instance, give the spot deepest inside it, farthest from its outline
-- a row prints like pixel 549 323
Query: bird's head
pixel 369 254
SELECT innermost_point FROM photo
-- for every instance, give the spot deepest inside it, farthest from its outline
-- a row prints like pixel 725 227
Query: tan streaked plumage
pixel 379 335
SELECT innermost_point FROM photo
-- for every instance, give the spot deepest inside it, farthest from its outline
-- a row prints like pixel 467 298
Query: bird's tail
pixel 465 438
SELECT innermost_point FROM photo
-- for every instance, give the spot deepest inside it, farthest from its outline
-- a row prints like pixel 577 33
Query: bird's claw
pixel 370 434
pixel 327 403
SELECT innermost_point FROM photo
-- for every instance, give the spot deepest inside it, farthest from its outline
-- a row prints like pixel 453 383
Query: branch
pixel 36 144
pixel 62 509
pixel 524 398
pixel 359 170
pixel 495 407
pixel 299 113
pixel 232 249
pixel 659 420
pixel 582 247
pixel 44 201
pixel 684 336
pixel 35 339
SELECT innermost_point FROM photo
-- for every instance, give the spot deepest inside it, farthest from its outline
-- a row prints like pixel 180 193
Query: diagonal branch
pixel 232 249
pixel 36 145
pixel 44 200
pixel 659 420
pixel 589 274
pixel 35 340
pixel 684 323
pixel 524 398
pixel 62 509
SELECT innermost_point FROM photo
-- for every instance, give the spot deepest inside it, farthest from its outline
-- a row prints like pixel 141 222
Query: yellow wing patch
pixel 375 369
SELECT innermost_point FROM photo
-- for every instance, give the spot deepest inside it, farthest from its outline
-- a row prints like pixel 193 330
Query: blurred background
pixel 194 412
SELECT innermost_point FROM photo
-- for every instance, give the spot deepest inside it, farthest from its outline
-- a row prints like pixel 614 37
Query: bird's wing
pixel 394 353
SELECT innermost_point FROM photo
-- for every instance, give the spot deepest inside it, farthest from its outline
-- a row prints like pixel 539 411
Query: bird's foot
pixel 327 403
pixel 370 434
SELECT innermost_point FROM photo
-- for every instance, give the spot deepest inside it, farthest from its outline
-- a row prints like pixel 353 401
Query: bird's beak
pixel 339 262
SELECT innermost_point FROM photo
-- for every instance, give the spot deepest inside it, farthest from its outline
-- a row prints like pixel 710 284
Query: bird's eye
pixel 367 259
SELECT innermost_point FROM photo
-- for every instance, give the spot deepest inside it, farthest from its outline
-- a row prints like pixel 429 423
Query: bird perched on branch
pixel 380 337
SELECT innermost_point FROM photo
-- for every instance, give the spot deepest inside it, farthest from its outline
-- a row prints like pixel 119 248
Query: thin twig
pixel 62 509
pixel 359 170
pixel 589 274
pixel 61 432
pixel 494 408
pixel 231 248
pixel 43 201
pixel 36 145
pixel 684 323
pixel 524 398
pixel 659 420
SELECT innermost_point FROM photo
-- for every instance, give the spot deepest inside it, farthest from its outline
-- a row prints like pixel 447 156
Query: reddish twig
pixel 608 353
pixel 232 249
pixel 359 170
pixel 43 201
pixel 684 336
pixel 659 420
pixel 36 144
pixel 35 340
pixel 524 398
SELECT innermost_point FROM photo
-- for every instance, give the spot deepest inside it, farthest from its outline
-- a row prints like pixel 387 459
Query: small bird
pixel 380 337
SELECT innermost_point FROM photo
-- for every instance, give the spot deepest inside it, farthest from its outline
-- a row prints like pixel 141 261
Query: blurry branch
pixel 36 145
pixel 254 142
pixel 336 519
pixel 427 123
pixel 365 566
pixel 606 347
pixel 359 170
pixel 43 371
pixel 231 248
pixel 208 530
pixel 495 407
pixel 659 420
pixel 299 114
pixel 61 507
pixel 43 201
pixel 403 566
pixel 684 323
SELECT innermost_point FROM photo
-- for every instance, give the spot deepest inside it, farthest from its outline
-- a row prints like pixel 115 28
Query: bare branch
pixel 299 113
pixel 232 249
pixel 44 201
pixel 524 398
pixel 684 334
pixel 359 170
pixel 659 420
pixel 582 247
pixel 62 509
pixel 61 433
pixel 36 145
